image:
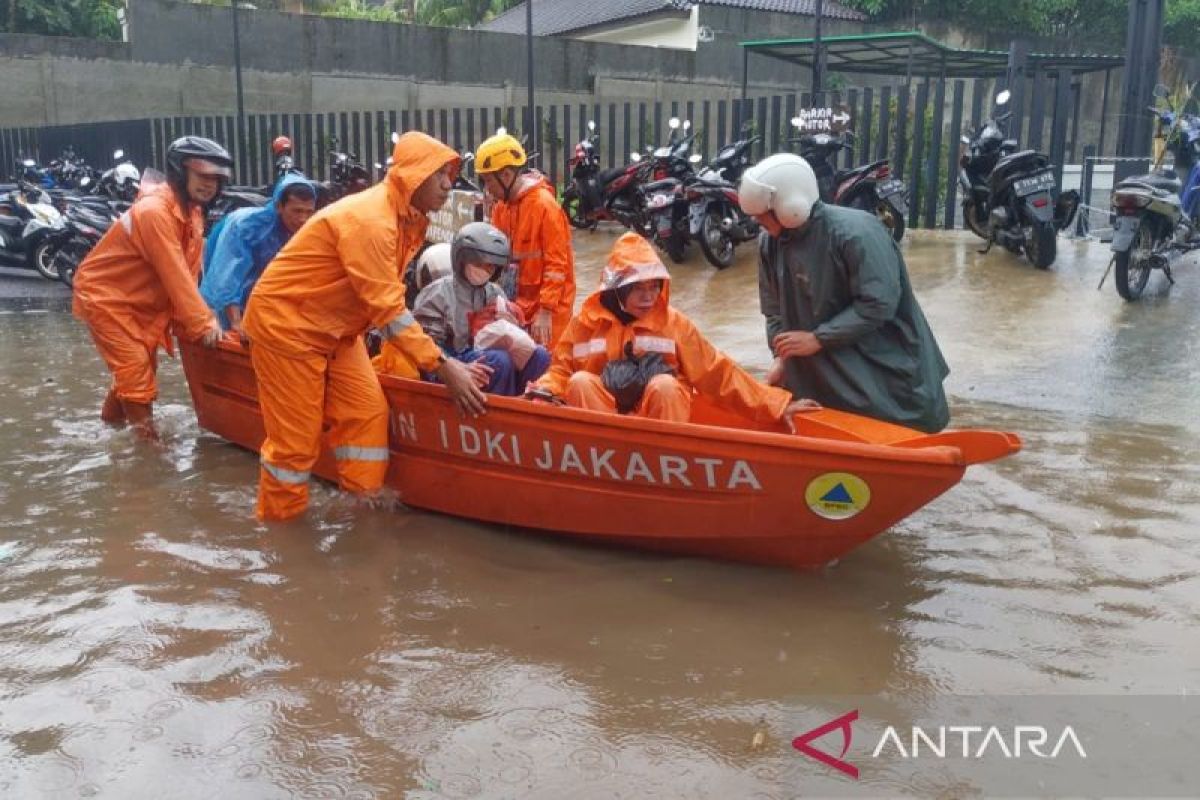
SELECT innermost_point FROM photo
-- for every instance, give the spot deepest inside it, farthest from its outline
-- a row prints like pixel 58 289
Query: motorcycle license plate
pixel 889 188
pixel 1038 183
pixel 696 217
pixel 659 201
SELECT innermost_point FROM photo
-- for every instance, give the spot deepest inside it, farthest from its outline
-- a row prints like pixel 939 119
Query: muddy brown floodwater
pixel 156 642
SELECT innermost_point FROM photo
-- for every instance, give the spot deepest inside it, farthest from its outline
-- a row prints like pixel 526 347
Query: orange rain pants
pixel 342 391
pixel 665 397
pixel 541 245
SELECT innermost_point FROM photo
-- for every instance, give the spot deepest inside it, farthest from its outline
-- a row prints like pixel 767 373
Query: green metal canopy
pixel 914 53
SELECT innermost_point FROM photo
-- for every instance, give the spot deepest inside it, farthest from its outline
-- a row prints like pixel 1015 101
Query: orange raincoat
pixel 142 275
pixel 338 276
pixel 596 336
pixel 541 246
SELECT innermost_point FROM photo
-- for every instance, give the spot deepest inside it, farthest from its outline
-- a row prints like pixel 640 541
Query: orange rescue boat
pixel 718 486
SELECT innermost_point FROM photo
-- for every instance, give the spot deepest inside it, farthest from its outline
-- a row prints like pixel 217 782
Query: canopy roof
pixel 890 54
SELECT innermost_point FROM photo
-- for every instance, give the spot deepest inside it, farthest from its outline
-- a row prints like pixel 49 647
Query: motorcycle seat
pixel 843 174
pixel 1162 183
pixel 665 185
pixel 610 175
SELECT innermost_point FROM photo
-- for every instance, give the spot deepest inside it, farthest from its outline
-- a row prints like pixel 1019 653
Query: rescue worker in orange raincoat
pixel 338 276
pixel 527 212
pixel 630 319
pixel 144 274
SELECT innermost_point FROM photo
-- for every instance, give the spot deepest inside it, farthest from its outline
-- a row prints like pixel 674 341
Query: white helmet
pixel 434 263
pixel 783 183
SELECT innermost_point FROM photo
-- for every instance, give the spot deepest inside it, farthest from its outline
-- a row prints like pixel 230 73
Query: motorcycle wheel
pixel 42 260
pixel 977 226
pixel 66 273
pixel 1041 244
pixel 1133 265
pixel 716 244
pixel 572 205
pixel 675 248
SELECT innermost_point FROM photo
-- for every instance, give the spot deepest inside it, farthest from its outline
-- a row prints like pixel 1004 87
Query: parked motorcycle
pixel 27 220
pixel 120 183
pixel 1157 215
pixel 715 217
pixel 347 176
pixel 1014 191
pixel 592 196
pixel 665 175
pixel 870 187
pixel 85 224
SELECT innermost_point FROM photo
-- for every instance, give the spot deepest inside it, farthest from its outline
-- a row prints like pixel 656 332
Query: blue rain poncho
pixel 239 248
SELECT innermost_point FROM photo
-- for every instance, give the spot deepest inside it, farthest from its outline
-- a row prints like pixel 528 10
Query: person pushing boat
pixel 338 276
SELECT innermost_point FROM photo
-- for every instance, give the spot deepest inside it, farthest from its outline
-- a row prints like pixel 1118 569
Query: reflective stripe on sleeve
pixel 554 275
pixel 398 325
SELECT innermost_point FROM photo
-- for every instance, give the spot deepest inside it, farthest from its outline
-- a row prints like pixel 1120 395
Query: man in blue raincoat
pixel 243 243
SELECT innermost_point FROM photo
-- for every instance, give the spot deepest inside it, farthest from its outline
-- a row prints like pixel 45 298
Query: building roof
pixel 903 51
pixel 554 17
pixel 807 8
pixel 551 17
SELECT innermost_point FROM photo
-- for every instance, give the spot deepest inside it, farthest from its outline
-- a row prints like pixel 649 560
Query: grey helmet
pixel 479 241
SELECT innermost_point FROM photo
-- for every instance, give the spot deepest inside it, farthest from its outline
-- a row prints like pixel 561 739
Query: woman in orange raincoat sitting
pixel 628 327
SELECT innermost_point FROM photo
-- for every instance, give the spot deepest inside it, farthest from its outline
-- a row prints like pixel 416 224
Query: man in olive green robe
pixel 841 317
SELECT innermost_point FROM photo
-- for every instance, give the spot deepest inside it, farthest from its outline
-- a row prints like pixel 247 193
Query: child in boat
pixel 627 329
pixel 467 315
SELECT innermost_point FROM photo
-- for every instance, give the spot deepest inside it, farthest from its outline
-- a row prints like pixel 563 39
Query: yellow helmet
pixel 498 152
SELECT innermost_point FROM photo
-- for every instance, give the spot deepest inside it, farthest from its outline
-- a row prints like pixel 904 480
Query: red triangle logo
pixel 842 723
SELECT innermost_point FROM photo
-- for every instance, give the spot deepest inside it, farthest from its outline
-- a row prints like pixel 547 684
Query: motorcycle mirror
pixel 85 181
pixel 673 123
pixel 635 157
pixel 118 154
pixel 687 124
pixel 1161 91
pixel 965 139
pixel 29 162
pixel 378 165
pixel 1003 97
pixel 592 125
pixel 501 131
pixel 395 137
pixel 694 158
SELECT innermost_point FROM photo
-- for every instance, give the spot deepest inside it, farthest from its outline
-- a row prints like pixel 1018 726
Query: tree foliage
pixel 87 18
pixel 1088 25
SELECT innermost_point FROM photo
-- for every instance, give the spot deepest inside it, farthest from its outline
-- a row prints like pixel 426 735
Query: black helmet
pixel 212 158
pixel 479 241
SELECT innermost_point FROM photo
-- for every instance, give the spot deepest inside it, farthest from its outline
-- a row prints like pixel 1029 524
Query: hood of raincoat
pixel 415 157
pixel 256 226
pixel 632 260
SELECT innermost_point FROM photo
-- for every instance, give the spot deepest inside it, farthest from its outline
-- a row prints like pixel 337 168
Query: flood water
pixel 155 641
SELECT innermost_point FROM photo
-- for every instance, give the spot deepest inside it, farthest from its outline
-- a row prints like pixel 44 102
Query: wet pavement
pixel 156 642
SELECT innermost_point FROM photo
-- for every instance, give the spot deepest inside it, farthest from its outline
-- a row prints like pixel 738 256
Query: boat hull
pixel 696 489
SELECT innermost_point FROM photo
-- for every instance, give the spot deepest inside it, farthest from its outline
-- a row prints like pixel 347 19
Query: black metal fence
pixel 917 127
